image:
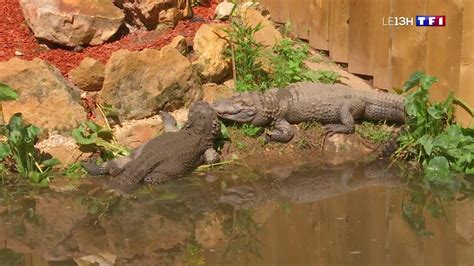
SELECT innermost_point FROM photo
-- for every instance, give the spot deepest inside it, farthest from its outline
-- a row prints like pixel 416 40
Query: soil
pixel 15 36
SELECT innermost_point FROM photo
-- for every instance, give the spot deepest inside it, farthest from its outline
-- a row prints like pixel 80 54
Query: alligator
pixel 169 155
pixel 312 183
pixel 335 105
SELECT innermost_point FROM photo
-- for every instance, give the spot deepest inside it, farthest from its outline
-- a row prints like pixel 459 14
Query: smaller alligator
pixel 169 155
pixel 335 105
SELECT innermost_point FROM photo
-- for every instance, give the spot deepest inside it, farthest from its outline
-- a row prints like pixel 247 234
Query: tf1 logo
pixel 430 21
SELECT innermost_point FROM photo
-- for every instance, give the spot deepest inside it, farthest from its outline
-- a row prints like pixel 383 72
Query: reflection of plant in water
pixel 241 230
pixel 100 205
pixel 194 254
pixel 10 257
pixel 430 196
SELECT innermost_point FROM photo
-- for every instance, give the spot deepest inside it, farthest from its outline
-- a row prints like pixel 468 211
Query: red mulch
pixel 16 36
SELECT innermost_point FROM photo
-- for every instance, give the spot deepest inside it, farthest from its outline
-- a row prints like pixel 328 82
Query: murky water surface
pixel 312 214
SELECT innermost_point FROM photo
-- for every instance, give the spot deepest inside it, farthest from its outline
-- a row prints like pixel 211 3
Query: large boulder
pixel 46 98
pixel 73 22
pixel 139 84
pixel 144 14
pixel 268 35
pixel 89 75
pixel 210 43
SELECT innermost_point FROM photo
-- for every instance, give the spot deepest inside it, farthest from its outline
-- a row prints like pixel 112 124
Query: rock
pixel 170 17
pixel 268 35
pixel 46 98
pixel 89 75
pixel 62 148
pixel 210 43
pixel 213 92
pixel 179 43
pixel 133 133
pixel 74 22
pixel 224 10
pixel 341 148
pixel 139 84
pixel 144 14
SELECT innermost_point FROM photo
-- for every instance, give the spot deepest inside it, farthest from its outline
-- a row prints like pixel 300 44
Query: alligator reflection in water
pixel 345 215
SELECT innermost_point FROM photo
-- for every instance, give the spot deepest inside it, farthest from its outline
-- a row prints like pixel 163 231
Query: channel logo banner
pixel 430 21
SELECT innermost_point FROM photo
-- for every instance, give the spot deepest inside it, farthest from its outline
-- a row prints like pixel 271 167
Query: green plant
pixel 7 93
pixel 75 170
pixel 92 137
pixel 250 130
pixel 374 133
pixel 431 137
pixel 19 148
pixel 246 54
pixel 288 62
pixel 323 76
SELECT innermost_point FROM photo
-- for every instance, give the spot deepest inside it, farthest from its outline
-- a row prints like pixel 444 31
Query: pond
pixel 357 214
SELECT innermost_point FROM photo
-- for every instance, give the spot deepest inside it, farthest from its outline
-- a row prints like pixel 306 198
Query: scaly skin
pixel 310 184
pixel 335 105
pixel 169 155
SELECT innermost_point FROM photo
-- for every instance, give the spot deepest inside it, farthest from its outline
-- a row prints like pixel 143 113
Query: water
pixel 311 214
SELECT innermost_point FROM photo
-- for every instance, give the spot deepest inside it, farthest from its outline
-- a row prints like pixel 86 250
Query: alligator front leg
pixel 282 132
pixel 348 111
pixel 211 156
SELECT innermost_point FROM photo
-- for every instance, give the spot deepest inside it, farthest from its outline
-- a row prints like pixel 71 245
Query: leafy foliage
pixel 19 147
pixel 258 69
pixel 250 130
pixel 92 137
pixel 7 93
pixel 431 137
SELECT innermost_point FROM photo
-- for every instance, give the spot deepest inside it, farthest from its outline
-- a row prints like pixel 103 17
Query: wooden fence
pixel 353 33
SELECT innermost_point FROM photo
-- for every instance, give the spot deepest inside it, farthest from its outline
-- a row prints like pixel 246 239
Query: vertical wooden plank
pixel 319 24
pixel 444 47
pixel 465 90
pixel 299 14
pixel 360 36
pixel 279 11
pixel 339 30
pixel 381 52
pixel 408 43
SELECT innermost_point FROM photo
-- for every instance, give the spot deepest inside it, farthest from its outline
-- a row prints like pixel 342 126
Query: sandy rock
pixel 170 17
pixel 342 148
pixel 73 22
pixel 224 10
pixel 46 98
pixel 209 230
pixel 268 35
pixel 89 75
pixel 144 14
pixel 133 133
pixel 62 148
pixel 210 43
pixel 213 92
pixel 139 84
pixel 179 43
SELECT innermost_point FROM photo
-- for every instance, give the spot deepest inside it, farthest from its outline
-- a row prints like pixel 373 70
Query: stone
pixel 170 17
pixel 46 98
pixel 73 22
pixel 62 148
pixel 144 14
pixel 224 10
pixel 210 44
pixel 89 75
pixel 268 35
pixel 141 83
pixel 179 43
pixel 213 92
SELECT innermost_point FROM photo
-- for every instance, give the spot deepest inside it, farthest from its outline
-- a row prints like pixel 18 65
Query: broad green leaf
pixel 32 132
pixel 16 122
pixel 51 162
pixel 413 81
pixel 4 151
pixel 93 126
pixel 427 143
pixel 81 139
pixel 7 93
pixel 437 168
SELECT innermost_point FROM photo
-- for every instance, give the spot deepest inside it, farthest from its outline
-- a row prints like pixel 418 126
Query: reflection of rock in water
pixel 312 183
pixel 158 226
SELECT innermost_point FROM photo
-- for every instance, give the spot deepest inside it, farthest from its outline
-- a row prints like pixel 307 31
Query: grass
pixel 374 133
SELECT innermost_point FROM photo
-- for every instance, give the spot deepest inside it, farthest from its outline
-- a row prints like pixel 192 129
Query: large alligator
pixel 169 155
pixel 313 183
pixel 335 105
